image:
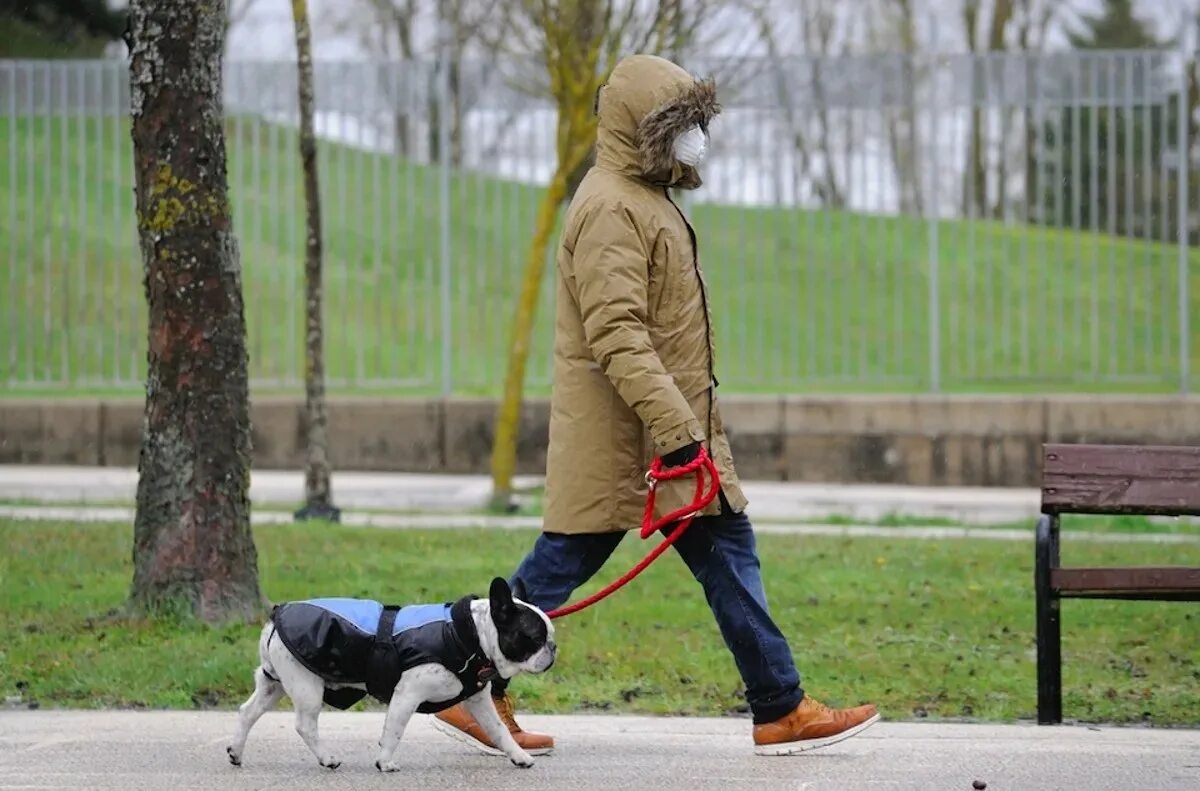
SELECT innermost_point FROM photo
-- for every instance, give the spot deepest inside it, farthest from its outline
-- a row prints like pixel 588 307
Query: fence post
pixel 1185 173
pixel 931 206
pixel 443 133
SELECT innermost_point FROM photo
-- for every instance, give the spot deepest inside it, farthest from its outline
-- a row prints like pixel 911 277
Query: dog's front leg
pixel 407 696
pixel 483 709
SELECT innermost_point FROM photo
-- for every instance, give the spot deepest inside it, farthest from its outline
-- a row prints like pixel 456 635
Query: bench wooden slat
pixel 1149 579
pixel 1121 479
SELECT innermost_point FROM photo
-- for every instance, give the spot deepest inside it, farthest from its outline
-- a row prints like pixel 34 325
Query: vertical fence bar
pixel 811 370
pixel 976 131
pixel 14 123
pixel 102 264
pixel 295 250
pixel 1146 237
pixel 443 134
pixel 360 152
pixel 1113 122
pixel 1093 117
pixel 392 273
pixel 67 321
pixel 1130 167
pixel 378 120
pixel 1076 104
pixel 1185 172
pixel 32 143
pixel 420 100
pixel 935 298
pixel 122 313
pixel 889 234
pixel 1162 241
pixel 1060 219
pixel 87 314
pixel 1007 115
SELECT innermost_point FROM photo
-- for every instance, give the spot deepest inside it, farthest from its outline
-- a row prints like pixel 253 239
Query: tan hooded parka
pixel 633 349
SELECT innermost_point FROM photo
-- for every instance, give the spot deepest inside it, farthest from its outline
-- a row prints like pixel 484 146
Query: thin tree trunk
pixel 193 551
pixel 317 496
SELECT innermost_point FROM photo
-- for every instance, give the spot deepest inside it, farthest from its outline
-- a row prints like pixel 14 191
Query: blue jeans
pixel 720 551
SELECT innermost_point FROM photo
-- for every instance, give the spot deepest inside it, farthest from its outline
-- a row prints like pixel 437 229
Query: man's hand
pixel 678 458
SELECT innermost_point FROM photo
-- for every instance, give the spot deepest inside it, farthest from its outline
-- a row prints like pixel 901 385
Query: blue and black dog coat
pixel 360 641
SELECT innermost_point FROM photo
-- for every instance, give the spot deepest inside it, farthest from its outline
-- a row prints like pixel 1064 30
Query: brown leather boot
pixel 458 723
pixel 811 725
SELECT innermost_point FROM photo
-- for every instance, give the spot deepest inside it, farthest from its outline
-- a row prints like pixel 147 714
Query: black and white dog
pixel 418 658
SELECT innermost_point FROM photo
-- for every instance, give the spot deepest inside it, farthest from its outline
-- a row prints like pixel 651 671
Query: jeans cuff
pixel 776 708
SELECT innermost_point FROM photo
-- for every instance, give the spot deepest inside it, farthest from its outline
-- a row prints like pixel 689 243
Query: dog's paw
pixel 522 759
pixel 329 762
pixel 234 758
pixel 387 766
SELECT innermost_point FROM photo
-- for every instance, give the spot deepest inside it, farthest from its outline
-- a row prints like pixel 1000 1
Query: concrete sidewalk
pixel 394 521
pixel 769 500
pixel 182 751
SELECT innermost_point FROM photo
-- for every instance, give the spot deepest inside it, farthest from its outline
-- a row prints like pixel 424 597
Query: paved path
pixel 769 500
pixel 180 751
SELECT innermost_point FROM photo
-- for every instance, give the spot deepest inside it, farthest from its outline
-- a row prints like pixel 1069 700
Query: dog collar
pixel 477 671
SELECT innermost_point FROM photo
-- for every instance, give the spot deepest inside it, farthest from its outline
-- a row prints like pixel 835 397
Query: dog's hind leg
pixel 267 693
pixel 307 693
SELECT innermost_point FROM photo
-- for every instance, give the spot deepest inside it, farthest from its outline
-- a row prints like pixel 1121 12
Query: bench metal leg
pixel 1049 653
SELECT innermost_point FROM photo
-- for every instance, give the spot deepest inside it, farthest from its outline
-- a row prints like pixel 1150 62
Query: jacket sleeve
pixel 611 272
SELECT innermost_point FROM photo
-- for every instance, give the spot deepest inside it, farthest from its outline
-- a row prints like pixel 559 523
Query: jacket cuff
pixel 678 436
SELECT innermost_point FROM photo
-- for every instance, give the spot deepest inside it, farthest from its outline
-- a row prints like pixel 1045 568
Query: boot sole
pixel 471 741
pixel 803 746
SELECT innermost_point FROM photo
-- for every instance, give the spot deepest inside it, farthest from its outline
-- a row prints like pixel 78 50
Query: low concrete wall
pixel 923 440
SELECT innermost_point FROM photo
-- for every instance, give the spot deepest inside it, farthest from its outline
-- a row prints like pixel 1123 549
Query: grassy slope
pixel 828 299
pixel 938 629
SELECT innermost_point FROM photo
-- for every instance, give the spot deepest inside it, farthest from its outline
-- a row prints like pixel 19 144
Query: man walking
pixel 633 378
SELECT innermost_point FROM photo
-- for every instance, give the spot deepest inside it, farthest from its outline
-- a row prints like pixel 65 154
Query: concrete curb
pixel 466 521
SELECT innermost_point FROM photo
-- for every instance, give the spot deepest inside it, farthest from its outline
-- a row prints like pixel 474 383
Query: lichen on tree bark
pixel 193 549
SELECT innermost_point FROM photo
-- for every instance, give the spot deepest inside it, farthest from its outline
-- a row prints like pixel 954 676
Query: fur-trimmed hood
pixel 647 102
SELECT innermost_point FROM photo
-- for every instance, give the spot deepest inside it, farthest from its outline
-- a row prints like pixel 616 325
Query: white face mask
pixel 691 146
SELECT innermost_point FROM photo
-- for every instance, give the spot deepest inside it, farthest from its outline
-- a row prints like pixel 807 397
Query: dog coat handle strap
pixel 379 681
pixel 387 622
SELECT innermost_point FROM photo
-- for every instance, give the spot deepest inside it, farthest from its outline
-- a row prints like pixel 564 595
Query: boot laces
pixel 819 706
pixel 504 708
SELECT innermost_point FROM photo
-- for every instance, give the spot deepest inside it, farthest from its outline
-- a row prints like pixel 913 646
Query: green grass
pixel 802 300
pixel 924 628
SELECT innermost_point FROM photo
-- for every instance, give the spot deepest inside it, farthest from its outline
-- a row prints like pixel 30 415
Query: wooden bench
pixel 1105 479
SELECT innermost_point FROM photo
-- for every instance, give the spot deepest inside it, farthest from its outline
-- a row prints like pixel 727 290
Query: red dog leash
pixel 699 465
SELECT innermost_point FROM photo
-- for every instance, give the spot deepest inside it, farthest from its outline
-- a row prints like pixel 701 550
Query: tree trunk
pixel 317 496
pixel 193 551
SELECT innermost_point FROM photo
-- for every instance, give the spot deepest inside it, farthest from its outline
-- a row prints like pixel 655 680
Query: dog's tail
pixel 264 656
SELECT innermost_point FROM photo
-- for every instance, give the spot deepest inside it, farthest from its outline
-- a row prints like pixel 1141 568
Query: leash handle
pixel 700 499
pixel 700 465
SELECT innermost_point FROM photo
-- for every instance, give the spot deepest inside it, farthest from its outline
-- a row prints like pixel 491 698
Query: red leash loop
pixel 699 465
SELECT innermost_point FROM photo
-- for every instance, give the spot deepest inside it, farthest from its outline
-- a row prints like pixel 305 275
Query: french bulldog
pixel 418 658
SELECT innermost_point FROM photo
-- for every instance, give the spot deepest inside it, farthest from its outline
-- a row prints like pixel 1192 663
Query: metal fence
pixel 961 222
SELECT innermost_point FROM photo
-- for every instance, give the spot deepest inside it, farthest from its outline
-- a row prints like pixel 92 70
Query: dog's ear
pixel 518 590
pixel 501 598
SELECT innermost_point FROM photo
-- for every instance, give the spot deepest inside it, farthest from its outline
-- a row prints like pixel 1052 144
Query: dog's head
pixel 515 635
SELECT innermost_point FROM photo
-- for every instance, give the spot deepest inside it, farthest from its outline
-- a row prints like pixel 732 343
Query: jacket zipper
pixel 712 376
